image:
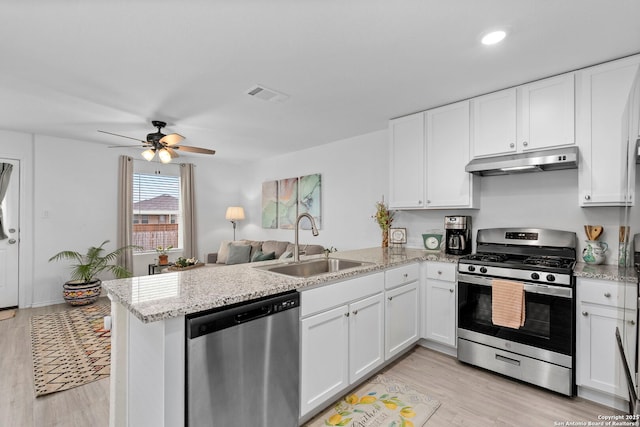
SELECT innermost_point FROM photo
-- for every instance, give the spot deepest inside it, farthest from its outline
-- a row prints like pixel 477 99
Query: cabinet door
pixel 598 361
pixel 494 123
pixel 324 357
pixel 401 318
pixel 366 336
pixel 547 113
pixel 448 152
pixel 407 156
pixel 603 91
pixel 440 312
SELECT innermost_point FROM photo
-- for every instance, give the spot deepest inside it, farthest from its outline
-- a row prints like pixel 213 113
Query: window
pixel 156 197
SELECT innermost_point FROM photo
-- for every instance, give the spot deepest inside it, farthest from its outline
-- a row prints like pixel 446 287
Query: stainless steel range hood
pixel 532 161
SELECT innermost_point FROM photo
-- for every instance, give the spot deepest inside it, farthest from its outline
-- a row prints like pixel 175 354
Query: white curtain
pixel 5 174
pixel 125 210
pixel 187 194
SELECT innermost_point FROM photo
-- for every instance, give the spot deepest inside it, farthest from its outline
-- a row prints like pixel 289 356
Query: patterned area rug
pixel 70 348
pixel 382 402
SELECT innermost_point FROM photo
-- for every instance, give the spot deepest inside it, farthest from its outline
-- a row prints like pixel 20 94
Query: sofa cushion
pixel 278 247
pixel 307 249
pixel 223 252
pixel 256 245
pixel 238 254
pixel 261 256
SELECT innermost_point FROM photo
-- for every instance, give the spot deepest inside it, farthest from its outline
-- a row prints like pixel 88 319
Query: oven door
pixel 549 314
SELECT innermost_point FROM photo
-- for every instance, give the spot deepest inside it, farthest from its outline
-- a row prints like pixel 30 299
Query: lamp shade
pixel 234 213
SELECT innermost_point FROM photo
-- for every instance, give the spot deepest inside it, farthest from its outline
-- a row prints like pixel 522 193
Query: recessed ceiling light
pixel 493 37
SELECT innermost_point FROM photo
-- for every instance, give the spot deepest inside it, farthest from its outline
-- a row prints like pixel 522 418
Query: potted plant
pixel 384 218
pixel 163 258
pixel 84 287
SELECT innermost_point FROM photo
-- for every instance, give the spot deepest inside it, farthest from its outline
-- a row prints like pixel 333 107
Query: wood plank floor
pixel 468 396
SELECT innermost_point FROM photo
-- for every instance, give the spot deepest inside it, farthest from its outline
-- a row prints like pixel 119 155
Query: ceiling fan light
pixel 165 156
pixel 149 154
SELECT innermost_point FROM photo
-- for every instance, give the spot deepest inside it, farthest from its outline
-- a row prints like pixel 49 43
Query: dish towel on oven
pixel 507 303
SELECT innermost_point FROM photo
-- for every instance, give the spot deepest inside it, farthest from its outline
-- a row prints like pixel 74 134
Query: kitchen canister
pixel 594 252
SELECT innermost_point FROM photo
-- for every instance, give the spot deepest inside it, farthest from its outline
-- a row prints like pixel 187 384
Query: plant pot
pixel 163 259
pixel 77 292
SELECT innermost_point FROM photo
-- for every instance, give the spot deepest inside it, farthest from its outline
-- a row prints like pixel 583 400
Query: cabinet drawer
pixel 400 275
pixel 606 292
pixel 326 297
pixel 442 271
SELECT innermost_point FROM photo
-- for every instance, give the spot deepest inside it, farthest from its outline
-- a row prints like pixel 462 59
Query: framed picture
pixel 270 204
pixel 397 235
pixel 287 203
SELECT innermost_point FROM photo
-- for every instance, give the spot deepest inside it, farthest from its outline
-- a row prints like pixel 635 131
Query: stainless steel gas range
pixel 538 263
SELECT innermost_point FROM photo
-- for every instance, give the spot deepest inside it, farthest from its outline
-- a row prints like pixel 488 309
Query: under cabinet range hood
pixel 531 161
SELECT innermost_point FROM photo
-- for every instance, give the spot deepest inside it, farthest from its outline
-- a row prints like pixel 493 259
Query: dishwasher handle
pixel 250 315
pixel 204 323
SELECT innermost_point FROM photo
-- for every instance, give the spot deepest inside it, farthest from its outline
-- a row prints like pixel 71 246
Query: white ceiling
pixel 71 67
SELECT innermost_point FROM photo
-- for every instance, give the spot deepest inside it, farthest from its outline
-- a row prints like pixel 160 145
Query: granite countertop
pixel 605 272
pixel 162 296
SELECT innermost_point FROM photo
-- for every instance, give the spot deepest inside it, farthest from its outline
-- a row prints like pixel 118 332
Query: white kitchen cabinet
pixel 440 303
pixel 533 116
pixel 402 314
pixel 494 123
pixel 448 152
pixel 602 94
pixel 407 162
pixel 366 336
pixel 600 309
pixel 341 334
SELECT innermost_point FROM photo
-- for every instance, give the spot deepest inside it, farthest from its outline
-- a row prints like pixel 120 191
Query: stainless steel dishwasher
pixel 243 364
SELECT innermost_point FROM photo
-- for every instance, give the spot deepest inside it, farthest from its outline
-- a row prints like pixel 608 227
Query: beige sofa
pixel 242 251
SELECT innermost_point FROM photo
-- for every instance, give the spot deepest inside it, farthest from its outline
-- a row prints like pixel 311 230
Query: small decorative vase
pixel 81 293
pixel 163 259
pixel 594 252
pixel 385 238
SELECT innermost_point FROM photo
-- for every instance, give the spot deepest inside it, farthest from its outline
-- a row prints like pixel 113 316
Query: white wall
pixel 354 176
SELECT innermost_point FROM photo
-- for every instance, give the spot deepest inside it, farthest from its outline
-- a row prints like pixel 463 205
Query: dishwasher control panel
pixel 285 305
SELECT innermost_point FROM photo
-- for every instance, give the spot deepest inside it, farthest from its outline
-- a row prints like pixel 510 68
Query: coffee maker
pixel 457 235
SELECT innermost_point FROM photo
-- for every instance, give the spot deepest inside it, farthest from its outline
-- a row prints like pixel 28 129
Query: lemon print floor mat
pixel 383 401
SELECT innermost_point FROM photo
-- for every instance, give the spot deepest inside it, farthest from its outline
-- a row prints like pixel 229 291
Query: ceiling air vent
pixel 266 94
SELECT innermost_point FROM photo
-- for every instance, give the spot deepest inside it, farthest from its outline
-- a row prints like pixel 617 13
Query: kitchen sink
pixel 313 267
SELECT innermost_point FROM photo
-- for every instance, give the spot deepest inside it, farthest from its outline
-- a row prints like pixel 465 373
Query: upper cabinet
pixel 429 151
pixel 530 117
pixel 448 152
pixel 407 162
pixel 494 123
pixel 602 95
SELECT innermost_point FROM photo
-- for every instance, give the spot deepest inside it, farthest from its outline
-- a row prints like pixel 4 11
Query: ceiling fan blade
pixel 171 139
pixel 171 152
pixel 122 136
pixel 129 146
pixel 195 149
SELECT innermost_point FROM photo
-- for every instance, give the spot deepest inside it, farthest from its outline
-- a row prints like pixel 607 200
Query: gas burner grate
pixel 488 257
pixel 545 261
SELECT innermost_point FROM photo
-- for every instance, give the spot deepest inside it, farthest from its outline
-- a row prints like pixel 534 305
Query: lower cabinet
pixel 342 344
pixel 600 309
pixel 439 305
pixel 401 318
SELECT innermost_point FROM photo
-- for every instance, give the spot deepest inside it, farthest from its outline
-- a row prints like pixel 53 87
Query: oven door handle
pixel 535 288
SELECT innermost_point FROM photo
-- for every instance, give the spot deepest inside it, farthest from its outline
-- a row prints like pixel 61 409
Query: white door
pixel 366 336
pixel 9 247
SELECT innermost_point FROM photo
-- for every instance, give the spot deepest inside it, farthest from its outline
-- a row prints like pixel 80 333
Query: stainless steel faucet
pixel 314 230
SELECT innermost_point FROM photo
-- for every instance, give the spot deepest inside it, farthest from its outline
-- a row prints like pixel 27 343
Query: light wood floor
pixel 468 396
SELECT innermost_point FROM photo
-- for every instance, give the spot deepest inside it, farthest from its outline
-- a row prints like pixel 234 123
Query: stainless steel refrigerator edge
pixel 243 365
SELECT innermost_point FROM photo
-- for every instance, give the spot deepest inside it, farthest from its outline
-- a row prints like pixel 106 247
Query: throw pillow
pixel 261 256
pixel 238 254
pixel 223 252
pixel 286 254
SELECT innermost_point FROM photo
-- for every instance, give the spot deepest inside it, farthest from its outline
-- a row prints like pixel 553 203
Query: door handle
pixel 12 241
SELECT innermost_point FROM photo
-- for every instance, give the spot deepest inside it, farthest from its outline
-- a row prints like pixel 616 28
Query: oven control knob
pixel 535 276
pixel 471 268
pixel 551 278
pixel 483 269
